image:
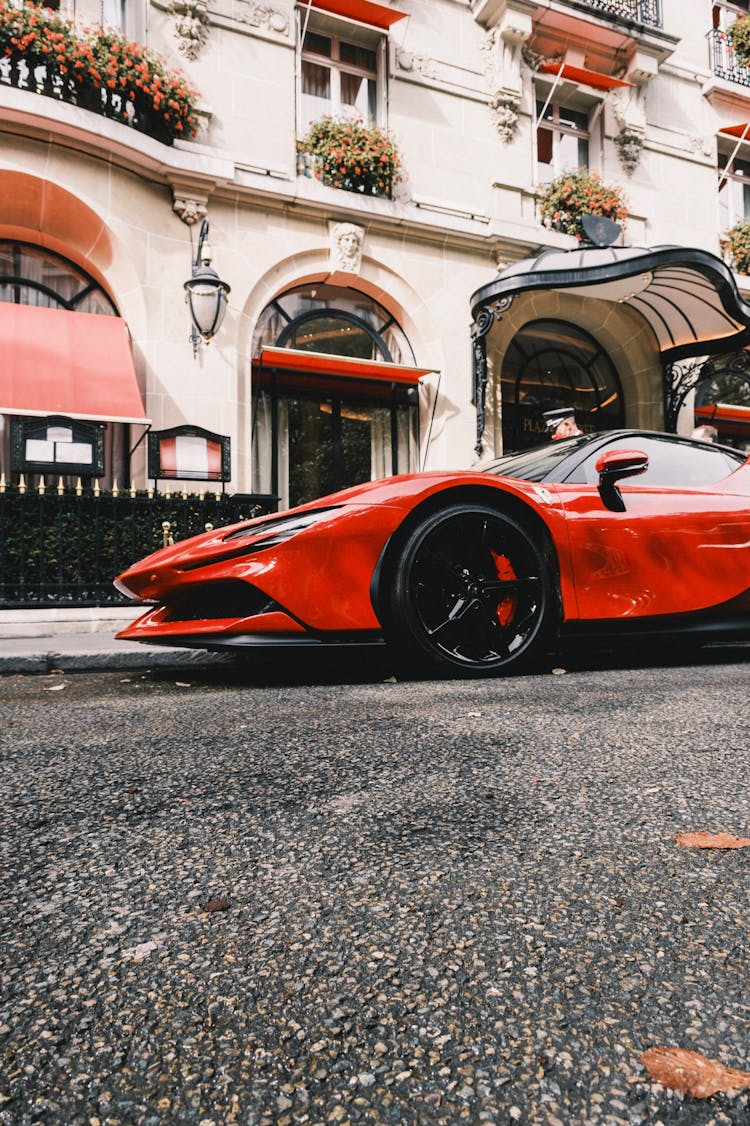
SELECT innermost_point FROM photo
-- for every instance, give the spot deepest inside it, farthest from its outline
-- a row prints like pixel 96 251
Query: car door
pixel 681 545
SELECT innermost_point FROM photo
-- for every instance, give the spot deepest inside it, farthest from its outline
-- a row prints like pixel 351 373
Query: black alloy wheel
pixel 471 592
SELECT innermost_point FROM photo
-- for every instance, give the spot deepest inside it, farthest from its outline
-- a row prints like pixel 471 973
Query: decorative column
pixel 509 25
pixel 483 322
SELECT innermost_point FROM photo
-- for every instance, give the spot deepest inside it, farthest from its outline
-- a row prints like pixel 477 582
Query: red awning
pixel 724 412
pixel 583 76
pixel 363 11
pixel 321 363
pixel 77 364
pixel 741 130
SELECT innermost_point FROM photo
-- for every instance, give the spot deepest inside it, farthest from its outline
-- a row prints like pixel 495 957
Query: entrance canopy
pixel 688 297
pixel 58 362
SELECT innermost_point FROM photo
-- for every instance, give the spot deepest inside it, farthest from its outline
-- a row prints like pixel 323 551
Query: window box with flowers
pixel 570 196
pixel 97 69
pixel 735 246
pixel 739 36
pixel 348 154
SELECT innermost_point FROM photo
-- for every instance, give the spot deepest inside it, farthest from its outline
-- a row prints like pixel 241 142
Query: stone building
pixel 346 351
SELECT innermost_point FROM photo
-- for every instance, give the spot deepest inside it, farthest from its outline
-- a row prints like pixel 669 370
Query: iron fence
pixel 723 58
pixel 641 11
pixel 63 547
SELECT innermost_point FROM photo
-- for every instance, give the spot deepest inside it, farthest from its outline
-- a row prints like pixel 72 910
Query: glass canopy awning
pixel 688 297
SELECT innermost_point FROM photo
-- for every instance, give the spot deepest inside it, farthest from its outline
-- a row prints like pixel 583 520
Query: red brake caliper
pixel 506 609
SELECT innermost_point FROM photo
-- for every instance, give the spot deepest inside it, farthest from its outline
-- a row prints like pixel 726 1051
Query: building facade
pixel 346 349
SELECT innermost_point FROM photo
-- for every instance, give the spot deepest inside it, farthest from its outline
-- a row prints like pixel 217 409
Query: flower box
pixel 348 154
pixel 97 69
pixel 572 195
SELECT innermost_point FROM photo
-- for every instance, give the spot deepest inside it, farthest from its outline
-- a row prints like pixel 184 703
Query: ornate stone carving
pixel 347 241
pixel 504 111
pixel 503 49
pixel 700 144
pixel 422 64
pixel 629 145
pixel 191 25
pixel 261 15
pixel 190 210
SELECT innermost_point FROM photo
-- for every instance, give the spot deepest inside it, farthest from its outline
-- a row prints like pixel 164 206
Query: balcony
pixel 723 59
pixel 96 69
pixel 646 12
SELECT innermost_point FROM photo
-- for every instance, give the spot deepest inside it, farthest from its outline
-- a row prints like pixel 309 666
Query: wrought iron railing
pixel 641 11
pixel 43 78
pixel 63 547
pixel 723 58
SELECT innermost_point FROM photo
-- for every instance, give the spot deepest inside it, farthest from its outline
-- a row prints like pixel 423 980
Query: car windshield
pixel 536 464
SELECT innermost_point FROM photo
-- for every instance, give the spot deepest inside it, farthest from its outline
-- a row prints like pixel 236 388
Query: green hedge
pixel 67 549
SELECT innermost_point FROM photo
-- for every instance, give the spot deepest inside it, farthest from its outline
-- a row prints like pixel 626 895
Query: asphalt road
pixel 245 898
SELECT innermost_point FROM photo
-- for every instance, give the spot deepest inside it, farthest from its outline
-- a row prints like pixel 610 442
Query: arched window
pixel 341 322
pixel 332 417
pixel 551 364
pixel 31 275
pixel 33 442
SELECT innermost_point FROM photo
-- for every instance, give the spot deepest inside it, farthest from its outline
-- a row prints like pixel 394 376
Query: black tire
pixel 471 593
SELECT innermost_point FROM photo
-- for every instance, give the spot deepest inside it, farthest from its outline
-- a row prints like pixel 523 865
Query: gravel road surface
pixel 228 901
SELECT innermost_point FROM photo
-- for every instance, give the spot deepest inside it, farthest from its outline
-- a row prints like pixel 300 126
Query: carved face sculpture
pixel 348 238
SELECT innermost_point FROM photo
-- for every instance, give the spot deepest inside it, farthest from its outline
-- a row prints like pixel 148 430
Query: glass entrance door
pixel 323 443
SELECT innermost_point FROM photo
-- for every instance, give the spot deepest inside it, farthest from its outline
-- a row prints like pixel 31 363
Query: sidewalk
pixel 88 652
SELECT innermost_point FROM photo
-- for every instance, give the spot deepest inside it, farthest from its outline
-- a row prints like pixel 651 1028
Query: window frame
pixel 559 130
pixel 733 183
pixel 339 30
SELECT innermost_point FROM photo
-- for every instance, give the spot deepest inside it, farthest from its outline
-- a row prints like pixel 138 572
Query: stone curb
pixel 45 662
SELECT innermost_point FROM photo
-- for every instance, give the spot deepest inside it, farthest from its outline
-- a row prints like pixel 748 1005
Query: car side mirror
pixel 612 467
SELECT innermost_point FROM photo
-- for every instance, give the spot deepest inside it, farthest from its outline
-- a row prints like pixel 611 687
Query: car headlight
pixel 122 589
pixel 276 531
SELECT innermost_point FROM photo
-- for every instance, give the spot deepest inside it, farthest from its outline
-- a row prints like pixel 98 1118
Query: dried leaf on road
pixel 711 840
pixel 215 905
pixel 692 1073
pixel 54 688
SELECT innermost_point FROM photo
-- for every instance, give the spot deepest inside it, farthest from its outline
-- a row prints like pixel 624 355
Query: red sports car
pixel 476 571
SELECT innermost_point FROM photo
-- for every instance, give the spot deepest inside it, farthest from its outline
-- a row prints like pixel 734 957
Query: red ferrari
pixel 476 571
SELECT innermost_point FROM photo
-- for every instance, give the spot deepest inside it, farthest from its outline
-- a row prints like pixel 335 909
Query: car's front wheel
pixel 470 593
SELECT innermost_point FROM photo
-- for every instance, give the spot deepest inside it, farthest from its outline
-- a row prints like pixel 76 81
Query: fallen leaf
pixel 215 905
pixel 54 688
pixel 711 840
pixel 183 684
pixel 559 672
pixel 692 1073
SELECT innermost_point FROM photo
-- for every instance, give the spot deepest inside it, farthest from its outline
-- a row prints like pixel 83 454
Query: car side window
pixel 670 463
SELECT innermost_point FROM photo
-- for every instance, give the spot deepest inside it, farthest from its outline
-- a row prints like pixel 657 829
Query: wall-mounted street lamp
pixel 205 293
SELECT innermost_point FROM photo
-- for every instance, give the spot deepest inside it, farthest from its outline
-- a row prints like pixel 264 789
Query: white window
pixel 724 15
pixel 341 68
pixel 126 16
pixel 734 191
pixel 562 140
